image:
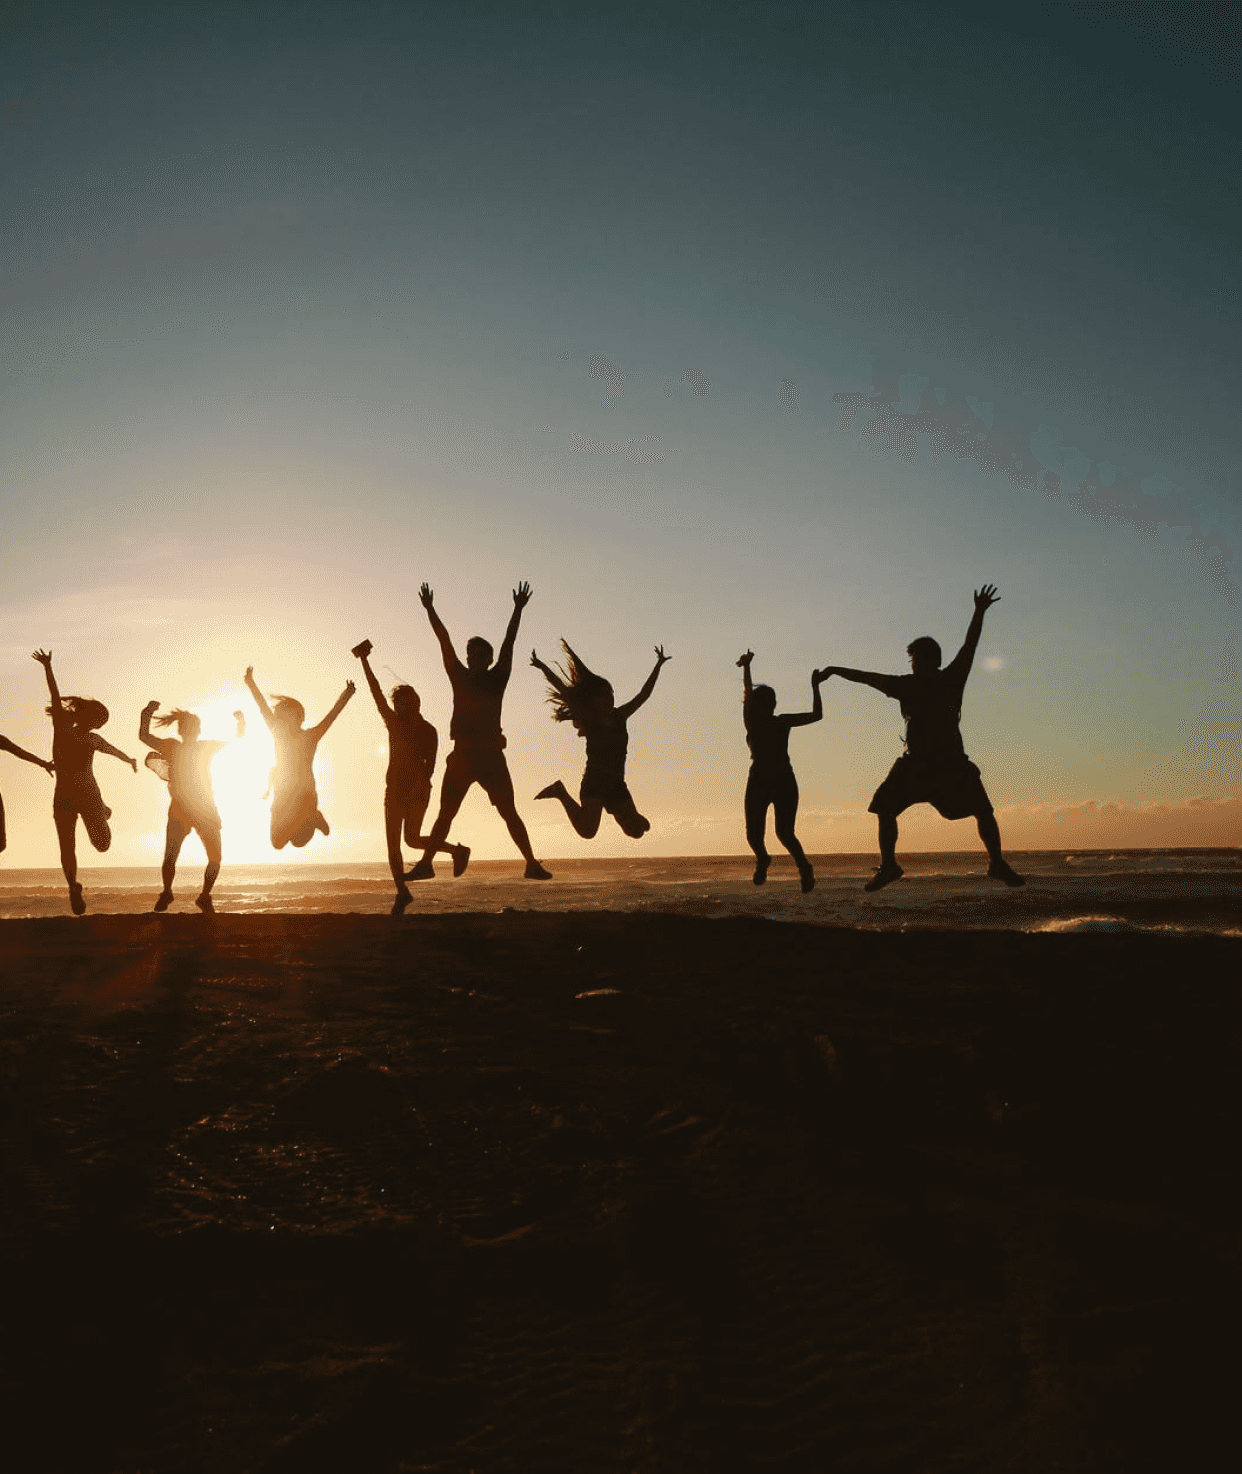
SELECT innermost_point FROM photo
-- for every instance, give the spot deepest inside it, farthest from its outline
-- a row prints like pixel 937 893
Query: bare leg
pixel 989 833
pixel 66 827
pixel 755 807
pixel 453 789
pixel 174 838
pixel 416 839
pixel 786 807
pixel 392 834
pixel 889 869
pixel 211 843
pixel 584 816
pixel 517 832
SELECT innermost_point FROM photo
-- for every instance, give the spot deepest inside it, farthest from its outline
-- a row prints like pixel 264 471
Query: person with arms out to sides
pixel 579 696
pixel 74 745
pixel 295 802
pixel 26 757
pixel 478 753
pixel 184 763
pixel 412 747
pixel 934 768
pixel 771 782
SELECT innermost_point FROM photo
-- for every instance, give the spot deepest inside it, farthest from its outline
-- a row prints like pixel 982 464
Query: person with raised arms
pixel 75 741
pixel 478 754
pixel 578 695
pixel 412 746
pixel 934 768
pixel 771 782
pixel 295 801
pixel 184 763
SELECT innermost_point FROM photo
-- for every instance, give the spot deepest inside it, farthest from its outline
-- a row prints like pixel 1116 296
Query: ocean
pixel 1195 891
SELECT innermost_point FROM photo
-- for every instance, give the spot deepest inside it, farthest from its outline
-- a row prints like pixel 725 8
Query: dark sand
pixel 336 1193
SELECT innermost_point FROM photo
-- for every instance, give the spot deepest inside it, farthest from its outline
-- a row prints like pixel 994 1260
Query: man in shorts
pixel 478 754
pixel 934 768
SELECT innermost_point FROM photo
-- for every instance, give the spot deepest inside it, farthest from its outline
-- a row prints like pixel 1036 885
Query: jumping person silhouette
pixel 295 803
pixel 771 781
pixel 934 768
pixel 184 763
pixel 478 754
pixel 26 757
pixel 412 746
pixel 579 696
pixel 74 745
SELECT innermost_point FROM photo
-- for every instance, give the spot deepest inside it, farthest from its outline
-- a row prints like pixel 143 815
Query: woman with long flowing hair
pixel 295 801
pixel 576 694
pixel 75 741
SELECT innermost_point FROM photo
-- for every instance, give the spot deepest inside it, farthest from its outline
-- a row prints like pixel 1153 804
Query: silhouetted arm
pixel 862 677
pixel 342 701
pixel 101 744
pixel 553 679
pixel 805 718
pixel 965 657
pixel 451 662
pixel 240 718
pixel 144 727
pixel 44 657
pixel 747 685
pixel 252 687
pixel 381 701
pixel 504 661
pixel 26 757
pixel 635 702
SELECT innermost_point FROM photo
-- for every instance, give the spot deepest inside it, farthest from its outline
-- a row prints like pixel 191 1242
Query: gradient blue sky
pixel 300 307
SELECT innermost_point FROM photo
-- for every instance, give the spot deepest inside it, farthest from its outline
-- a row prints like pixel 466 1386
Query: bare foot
pixel 461 858
pixel 424 870
pixel 205 905
pixel 403 900
pixel 761 869
pixel 807 876
pixel 535 871
pixel 885 875
pixel 553 790
pixel 163 901
pixel 76 901
pixel 1002 870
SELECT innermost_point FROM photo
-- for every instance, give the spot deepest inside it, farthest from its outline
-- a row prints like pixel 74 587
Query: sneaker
pixel 163 901
pixel 761 870
pixel 461 858
pixel 76 901
pixel 424 870
pixel 205 904
pixel 885 875
pixel 807 876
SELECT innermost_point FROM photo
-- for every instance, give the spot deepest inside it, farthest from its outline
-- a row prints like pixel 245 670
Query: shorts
pixel 485 766
pixel 205 821
pixel 953 788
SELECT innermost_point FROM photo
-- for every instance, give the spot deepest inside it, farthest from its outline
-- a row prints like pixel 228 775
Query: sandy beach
pixel 592 1190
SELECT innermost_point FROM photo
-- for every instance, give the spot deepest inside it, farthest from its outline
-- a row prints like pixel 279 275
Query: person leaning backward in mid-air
pixel 934 768
pixel 478 754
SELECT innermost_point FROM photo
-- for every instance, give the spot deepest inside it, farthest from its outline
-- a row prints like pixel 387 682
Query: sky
pixel 780 327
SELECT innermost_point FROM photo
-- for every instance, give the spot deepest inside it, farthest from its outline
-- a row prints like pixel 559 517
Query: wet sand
pixel 613 1192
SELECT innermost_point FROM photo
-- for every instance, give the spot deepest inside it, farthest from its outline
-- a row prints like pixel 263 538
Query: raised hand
pixel 660 655
pixel 535 661
pixel 745 660
pixel 239 716
pixel 362 649
pixel 350 688
pixel 426 597
pixel 521 596
pixel 250 675
pixel 150 708
pixel 44 657
pixel 133 762
pixel 51 768
pixel 986 597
